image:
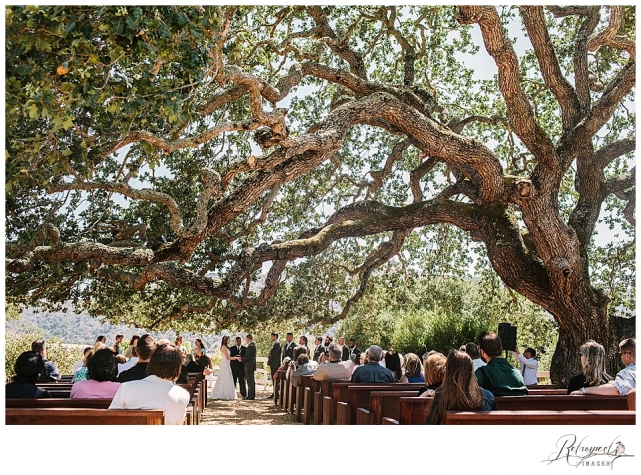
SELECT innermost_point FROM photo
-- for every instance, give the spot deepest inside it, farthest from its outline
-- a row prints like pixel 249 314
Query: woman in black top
pixel 593 366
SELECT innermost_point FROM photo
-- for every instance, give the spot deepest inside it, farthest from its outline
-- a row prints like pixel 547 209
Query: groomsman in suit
pixel 273 359
pixel 249 361
pixel 344 349
pixel 319 350
pixel 353 349
pixel 237 367
pixel 288 351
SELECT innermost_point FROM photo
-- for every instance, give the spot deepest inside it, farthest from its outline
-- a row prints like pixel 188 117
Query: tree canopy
pixel 192 167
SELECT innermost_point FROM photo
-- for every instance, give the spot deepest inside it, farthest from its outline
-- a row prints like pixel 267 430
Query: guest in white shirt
pixel 157 390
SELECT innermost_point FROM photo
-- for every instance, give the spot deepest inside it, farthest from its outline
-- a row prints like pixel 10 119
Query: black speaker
pixel 507 334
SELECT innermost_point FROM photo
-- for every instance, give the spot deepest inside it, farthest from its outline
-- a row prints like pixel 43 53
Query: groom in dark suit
pixel 249 361
pixel 273 359
pixel 237 367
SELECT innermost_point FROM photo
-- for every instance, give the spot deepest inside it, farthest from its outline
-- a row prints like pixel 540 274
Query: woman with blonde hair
pixel 459 390
pixel 592 365
pixel 413 369
pixel 434 372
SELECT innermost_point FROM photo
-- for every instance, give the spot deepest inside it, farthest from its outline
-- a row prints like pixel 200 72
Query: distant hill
pixel 82 329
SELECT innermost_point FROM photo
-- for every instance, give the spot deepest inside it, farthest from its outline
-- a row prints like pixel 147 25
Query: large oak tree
pixel 160 158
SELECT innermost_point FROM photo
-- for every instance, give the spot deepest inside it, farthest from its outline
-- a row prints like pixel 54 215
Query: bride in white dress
pixel 224 387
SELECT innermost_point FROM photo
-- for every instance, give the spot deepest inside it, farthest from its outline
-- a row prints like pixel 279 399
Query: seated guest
pixel 201 363
pixel 333 369
pixel 183 378
pixel 157 390
pixel 498 376
pixel 144 348
pixel 103 371
pixel 372 371
pixel 50 373
pixel 199 348
pixel 298 350
pixel 132 343
pixel 117 348
pixel 529 366
pixel 79 364
pixel 460 390
pixel 282 369
pixel 434 373
pixel 592 367
pixel 625 380
pixel 413 369
pixel 83 372
pixel 131 362
pixel 303 366
pixel 28 368
pixel 472 350
pixel 393 363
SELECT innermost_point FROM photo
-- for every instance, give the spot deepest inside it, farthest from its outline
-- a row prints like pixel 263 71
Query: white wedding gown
pixel 224 387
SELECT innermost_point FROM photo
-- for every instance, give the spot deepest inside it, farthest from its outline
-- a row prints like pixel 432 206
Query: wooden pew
pixel 387 404
pixel 85 403
pixel 533 392
pixel 540 417
pixel 308 400
pixel 414 411
pixel 555 402
pixel 82 416
pixel 358 395
pixel 632 400
pixel 324 390
pixel 88 403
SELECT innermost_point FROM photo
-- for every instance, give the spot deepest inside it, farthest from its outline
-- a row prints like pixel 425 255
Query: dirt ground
pixel 260 411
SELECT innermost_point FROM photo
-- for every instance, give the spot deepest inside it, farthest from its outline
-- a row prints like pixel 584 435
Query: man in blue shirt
pixel 372 371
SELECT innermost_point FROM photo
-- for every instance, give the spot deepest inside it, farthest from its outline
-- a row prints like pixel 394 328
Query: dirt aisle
pixel 260 411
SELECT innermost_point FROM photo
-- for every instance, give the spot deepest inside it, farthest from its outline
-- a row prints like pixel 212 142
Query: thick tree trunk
pixel 620 329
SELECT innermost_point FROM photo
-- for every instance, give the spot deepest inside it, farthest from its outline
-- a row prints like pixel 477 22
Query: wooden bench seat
pixel 414 411
pixel 82 416
pixel 540 417
pixel 95 403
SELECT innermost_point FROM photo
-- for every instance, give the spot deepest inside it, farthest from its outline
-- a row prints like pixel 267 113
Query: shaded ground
pixel 260 411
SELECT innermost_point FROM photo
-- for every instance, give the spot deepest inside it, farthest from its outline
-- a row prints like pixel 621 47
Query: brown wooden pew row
pixel 82 416
pixel 308 400
pixel 414 411
pixel 595 417
pixel 387 404
pixel 340 399
pixel 556 402
pixel 324 389
pixel 632 400
pixel 86 403
pixel 297 389
pixel 534 391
